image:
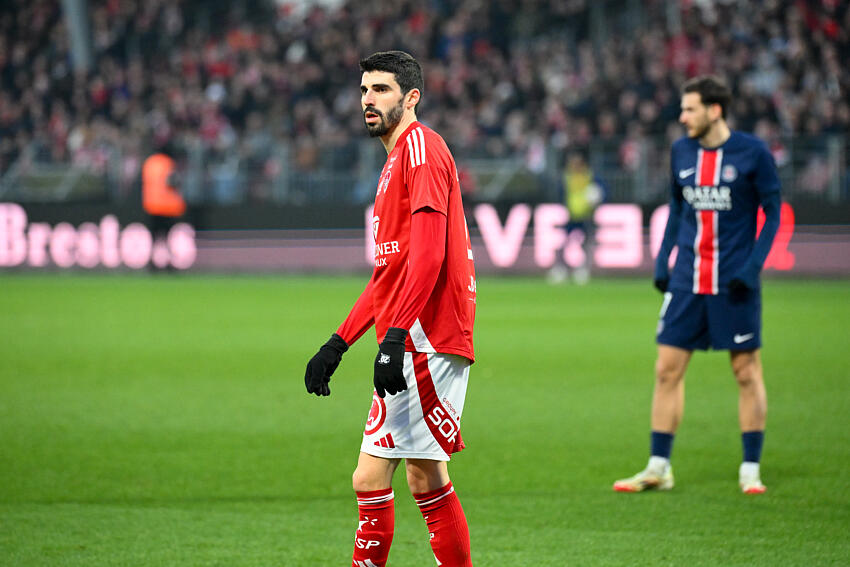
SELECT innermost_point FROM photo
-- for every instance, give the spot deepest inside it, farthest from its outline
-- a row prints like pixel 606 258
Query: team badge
pixel 729 173
pixel 375 222
pixel 385 182
pixel 377 414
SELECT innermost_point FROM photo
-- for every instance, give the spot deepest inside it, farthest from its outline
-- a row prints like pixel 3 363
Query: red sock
pixel 447 526
pixel 375 533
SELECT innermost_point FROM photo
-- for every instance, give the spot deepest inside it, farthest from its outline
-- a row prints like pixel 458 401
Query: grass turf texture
pixel 163 421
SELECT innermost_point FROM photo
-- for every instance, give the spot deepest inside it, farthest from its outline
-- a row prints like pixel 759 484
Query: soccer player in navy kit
pixel 712 299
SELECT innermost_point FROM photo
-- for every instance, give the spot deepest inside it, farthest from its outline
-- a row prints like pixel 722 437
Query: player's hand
pixel 737 285
pixel 323 364
pixel 389 364
pixel 738 289
pixel 661 274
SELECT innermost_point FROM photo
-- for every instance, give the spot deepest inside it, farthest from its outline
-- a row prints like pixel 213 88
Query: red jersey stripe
pixel 707 256
pixel 707 166
pixel 705 245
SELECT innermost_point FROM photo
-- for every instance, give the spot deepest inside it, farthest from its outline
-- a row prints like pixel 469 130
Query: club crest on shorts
pixel 377 414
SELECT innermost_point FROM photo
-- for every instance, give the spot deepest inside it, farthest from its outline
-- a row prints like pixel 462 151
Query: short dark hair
pixel 711 90
pixel 406 69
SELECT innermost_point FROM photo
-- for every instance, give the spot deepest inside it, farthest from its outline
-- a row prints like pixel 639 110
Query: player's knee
pixel 364 481
pixel 667 375
pixel 747 376
pixel 747 372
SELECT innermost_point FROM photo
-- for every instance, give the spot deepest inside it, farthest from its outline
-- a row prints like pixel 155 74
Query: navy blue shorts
pixel 722 322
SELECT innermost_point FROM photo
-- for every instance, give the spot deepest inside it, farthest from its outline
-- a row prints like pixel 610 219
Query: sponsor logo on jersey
pixel 705 198
pixel 684 173
pixel 383 249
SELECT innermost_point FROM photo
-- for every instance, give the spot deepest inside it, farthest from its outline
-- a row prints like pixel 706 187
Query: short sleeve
pixel 428 186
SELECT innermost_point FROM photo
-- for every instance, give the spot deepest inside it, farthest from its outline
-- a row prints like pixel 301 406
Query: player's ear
pixel 412 98
pixel 716 111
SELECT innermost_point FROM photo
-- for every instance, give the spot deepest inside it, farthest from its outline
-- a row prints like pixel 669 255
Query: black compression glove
pixel 737 285
pixel 738 290
pixel 323 364
pixel 389 364
pixel 661 284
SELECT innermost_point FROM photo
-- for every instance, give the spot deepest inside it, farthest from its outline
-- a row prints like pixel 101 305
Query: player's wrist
pixel 337 343
pixel 395 335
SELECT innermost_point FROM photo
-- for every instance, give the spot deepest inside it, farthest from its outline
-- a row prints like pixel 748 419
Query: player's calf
pixel 375 529
pixel 446 525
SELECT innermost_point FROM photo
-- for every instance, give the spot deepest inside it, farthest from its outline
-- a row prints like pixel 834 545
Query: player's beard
pixel 701 130
pixel 387 122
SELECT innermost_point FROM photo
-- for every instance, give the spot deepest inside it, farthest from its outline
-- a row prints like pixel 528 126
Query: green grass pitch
pixel 156 421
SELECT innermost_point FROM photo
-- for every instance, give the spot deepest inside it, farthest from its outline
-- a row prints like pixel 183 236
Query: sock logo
pixel 366 543
pixel 368 520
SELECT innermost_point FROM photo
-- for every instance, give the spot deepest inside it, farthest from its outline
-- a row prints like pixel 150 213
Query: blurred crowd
pixel 503 77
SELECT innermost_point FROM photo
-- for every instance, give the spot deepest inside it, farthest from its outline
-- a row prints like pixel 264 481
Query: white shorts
pixel 422 422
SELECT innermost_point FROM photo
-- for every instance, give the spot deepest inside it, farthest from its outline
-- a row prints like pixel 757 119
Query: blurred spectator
pixel 503 78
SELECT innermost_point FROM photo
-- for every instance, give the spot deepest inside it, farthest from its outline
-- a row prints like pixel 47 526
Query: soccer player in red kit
pixel 421 300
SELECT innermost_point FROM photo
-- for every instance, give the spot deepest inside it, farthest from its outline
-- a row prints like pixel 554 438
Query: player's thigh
pixel 735 321
pixel 683 321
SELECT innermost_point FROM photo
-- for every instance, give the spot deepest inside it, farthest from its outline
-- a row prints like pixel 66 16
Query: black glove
pixel 389 364
pixel 323 364
pixel 737 285
pixel 738 289
pixel 661 274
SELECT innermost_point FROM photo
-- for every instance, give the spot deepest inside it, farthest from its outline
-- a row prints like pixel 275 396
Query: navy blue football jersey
pixel 720 191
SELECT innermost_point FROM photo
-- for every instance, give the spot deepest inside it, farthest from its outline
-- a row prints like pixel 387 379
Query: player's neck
pixel 390 138
pixel 716 135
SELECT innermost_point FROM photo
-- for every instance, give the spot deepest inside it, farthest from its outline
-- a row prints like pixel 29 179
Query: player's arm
pixel 425 258
pixel 661 276
pixel 324 363
pixel 768 187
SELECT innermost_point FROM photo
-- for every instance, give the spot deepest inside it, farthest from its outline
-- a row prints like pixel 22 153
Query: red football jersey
pixel 420 172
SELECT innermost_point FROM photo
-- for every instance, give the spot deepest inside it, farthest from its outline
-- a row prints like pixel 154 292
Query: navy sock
pixel 752 442
pixel 661 444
